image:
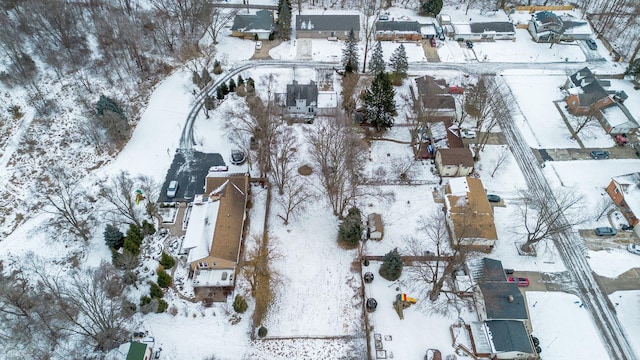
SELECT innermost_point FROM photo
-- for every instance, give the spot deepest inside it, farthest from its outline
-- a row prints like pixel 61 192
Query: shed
pixel 375 230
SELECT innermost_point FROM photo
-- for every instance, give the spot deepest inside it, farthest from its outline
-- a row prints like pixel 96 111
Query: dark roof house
pixel 302 98
pixel 250 25
pixel 398 30
pixel 503 300
pixel 327 26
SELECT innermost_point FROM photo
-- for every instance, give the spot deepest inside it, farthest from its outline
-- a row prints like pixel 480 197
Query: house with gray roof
pixel 502 339
pixel 333 27
pixel 302 98
pixel 546 26
pixel 398 30
pixel 495 30
pixel 248 26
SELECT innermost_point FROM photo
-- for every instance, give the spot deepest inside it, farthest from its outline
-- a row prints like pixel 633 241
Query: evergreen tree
pixel 196 78
pixel 131 247
pixel 225 88
pixel 350 54
pixel 219 93
pixel 205 78
pixel 232 85
pixel 251 85
pixel 164 279
pixel 391 267
pixel 167 261
pixel 379 104
pixel 209 103
pixel 134 234
pixel 399 62
pixel 284 19
pixel 240 80
pixel 106 103
pixel 350 231
pixel 376 65
pixel 431 7
pixel 113 237
pixel 217 67
pixel 155 290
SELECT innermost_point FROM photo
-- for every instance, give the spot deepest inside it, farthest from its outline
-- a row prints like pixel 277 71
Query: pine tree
pixel 164 279
pixel 225 88
pixel 219 93
pixel 232 85
pixel 379 103
pixel 113 237
pixel 251 85
pixel 284 19
pixel 391 267
pixel 350 231
pixel 431 7
pixel 376 65
pixel 240 80
pixel 209 103
pixel 350 54
pixel 205 78
pixel 399 62
pixel 106 103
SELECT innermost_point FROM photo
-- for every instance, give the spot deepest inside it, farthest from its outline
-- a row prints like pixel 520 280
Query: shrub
pixel 131 247
pixel 350 231
pixel 240 304
pixel 232 85
pixel 167 261
pixel 391 267
pixel 134 234
pixel 164 279
pixel 148 228
pixel 162 306
pixel 113 237
pixel 155 291
pixel 262 331
pixel 144 300
pixel 217 68
pixel 129 277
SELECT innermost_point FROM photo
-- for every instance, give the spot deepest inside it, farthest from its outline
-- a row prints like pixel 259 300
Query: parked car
pixel 456 90
pixel 172 189
pixel 493 198
pixel 383 17
pixel 591 44
pixel 432 41
pixel 621 140
pixel 599 154
pixel 469 44
pixel 626 228
pixel 605 231
pixel 237 157
pixel 258 45
pixel 519 281
pixel 634 249
pixel 219 168
pixel 467 134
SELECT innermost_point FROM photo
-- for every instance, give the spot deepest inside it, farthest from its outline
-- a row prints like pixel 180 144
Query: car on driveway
pixel 591 44
pixel 456 90
pixel 626 227
pixel 467 134
pixel 237 157
pixel 432 41
pixel 469 44
pixel 599 154
pixel 493 198
pixel 634 249
pixel 258 45
pixel 172 189
pixel 605 231
pixel 519 281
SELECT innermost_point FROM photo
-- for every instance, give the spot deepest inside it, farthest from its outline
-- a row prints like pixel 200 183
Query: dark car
pixel 432 41
pixel 626 228
pixel 599 154
pixel 520 281
pixel 493 198
pixel 469 44
pixel 591 44
pixel 237 157
pixel 605 231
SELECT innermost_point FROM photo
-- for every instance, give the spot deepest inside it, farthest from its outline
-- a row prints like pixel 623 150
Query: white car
pixel 634 249
pixel 172 189
pixel 467 134
pixel 258 45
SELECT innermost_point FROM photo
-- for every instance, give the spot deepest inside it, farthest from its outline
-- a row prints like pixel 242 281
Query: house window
pixel 616 190
pixel 203 265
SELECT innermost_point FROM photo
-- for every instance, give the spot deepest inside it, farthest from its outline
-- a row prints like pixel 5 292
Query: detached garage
pixel 375 230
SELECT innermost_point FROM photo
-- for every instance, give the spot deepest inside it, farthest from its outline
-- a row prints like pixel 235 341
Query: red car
pixel 524 282
pixel 621 140
pixel 456 90
pixel 432 41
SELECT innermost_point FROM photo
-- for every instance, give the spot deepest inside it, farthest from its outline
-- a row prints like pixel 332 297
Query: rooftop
pixel 328 22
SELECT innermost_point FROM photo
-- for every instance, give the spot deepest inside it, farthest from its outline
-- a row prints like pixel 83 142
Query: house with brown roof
pixel 454 162
pixel 435 100
pixel 214 235
pixel 625 193
pixel 469 214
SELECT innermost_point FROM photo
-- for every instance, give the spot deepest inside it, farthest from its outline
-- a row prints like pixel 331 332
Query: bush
pixel 164 279
pixel 162 306
pixel 232 85
pixel 240 304
pixel 129 277
pixel 217 68
pixel 262 331
pixel 167 261
pixel 134 234
pixel 131 247
pixel 113 237
pixel 144 300
pixel 155 291
pixel 391 267
pixel 350 231
pixel 148 228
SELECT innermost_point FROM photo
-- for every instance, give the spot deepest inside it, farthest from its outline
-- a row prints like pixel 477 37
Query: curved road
pixel 569 244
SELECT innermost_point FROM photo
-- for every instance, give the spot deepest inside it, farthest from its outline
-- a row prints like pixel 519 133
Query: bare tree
pixel 296 194
pixel 482 103
pixel 438 256
pixel 367 19
pixel 283 155
pixel 68 204
pixel 545 217
pixel 587 121
pixel 120 194
pixel 339 156
pixel 219 19
pixel 500 160
pixel 605 204
pixel 349 95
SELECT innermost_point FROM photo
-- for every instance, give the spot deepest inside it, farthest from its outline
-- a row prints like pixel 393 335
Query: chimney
pixel 510 298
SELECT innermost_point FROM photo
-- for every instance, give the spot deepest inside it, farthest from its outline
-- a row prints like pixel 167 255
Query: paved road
pixel 569 244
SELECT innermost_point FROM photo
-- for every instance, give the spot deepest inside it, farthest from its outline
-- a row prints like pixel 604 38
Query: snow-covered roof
pixel 615 115
pixel 199 235
pixel 630 186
